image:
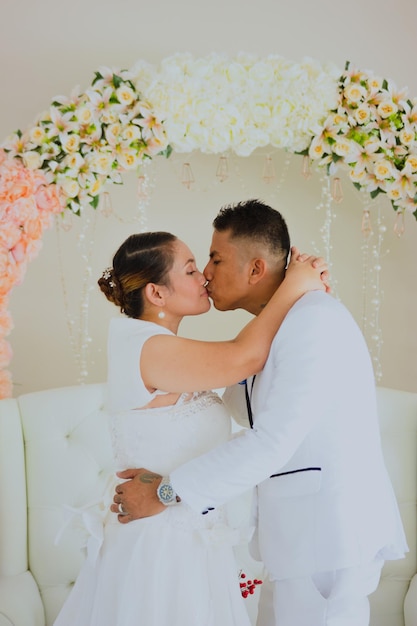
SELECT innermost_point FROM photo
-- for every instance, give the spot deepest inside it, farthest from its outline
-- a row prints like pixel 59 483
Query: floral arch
pixel 214 104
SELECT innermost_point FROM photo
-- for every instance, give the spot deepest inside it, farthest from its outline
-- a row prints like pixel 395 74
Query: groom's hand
pixel 136 496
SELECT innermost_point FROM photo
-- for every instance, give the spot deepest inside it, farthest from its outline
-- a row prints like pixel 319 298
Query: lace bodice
pixel 161 439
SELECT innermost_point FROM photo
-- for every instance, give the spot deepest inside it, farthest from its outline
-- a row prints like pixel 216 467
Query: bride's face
pixel 187 293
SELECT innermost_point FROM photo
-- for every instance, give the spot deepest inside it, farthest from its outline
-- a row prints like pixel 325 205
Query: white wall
pixel 48 47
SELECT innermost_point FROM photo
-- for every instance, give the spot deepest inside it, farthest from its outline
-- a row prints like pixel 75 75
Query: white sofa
pixel 55 450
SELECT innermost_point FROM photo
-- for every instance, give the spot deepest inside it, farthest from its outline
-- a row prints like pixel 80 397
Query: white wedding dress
pixel 176 568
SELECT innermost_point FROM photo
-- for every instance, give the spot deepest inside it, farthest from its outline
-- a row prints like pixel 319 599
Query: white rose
pixel 383 169
pixel 362 114
pixel 407 135
pixel 69 187
pixel 94 186
pixel 387 108
pixel 112 133
pixel 32 160
pixel 125 95
pixel 411 162
pixel 354 92
pixel 74 161
pixel 101 162
pixel 109 116
pixel 37 135
pixel 128 159
pixel 317 148
pixel 347 149
pixel 70 142
pixel 85 115
pixel 130 133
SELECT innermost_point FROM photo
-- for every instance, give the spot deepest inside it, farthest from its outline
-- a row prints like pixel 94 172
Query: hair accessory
pixel 107 274
pixel 161 315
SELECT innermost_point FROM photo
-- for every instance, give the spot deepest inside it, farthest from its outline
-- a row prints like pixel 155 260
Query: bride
pixel 176 568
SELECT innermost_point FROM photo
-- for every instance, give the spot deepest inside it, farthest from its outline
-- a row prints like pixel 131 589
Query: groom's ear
pixel 257 270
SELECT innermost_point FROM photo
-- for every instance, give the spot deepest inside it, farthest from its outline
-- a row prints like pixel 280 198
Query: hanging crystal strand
pixel 326 247
pixel 366 226
pixel 78 329
pixel 187 176
pixel 367 232
pixel 105 204
pixel 143 200
pixel 64 220
pixel 337 191
pixel 326 229
pixel 70 321
pixel 284 171
pixel 276 178
pixel 365 278
pixel 86 245
pixel 399 225
pixel 306 168
pixel 142 187
pixel 239 176
pixel 146 184
pixel 371 283
pixel 268 174
pixel 376 296
pixel 222 172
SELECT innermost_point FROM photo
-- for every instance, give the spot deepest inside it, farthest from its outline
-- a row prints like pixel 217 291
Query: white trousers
pixel 338 598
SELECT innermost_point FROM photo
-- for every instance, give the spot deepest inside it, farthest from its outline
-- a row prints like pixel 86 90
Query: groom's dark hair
pixel 257 222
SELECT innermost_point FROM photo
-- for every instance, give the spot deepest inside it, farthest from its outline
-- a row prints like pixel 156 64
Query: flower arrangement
pixel 373 131
pixel 86 140
pixel 62 162
pixel 27 204
pixel 214 105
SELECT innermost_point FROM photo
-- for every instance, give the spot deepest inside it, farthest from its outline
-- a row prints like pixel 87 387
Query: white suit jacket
pixel 324 499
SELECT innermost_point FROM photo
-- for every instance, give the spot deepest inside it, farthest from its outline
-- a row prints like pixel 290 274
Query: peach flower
pixel 27 204
pixel 47 199
pixel 5 353
pixel 6 322
pixel 6 386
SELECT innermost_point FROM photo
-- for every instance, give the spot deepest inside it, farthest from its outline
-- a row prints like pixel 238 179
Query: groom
pixel 326 515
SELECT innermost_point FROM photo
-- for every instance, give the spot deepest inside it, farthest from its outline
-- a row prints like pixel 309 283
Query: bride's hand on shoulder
pixel 312 272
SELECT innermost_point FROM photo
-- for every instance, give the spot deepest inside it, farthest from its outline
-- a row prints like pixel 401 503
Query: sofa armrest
pixel 410 604
pixel 20 601
pixel 13 510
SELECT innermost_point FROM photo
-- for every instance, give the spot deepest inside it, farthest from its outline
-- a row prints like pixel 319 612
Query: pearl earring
pixel 161 315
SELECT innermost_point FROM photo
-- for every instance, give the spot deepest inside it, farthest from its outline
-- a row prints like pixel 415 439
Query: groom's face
pixel 227 272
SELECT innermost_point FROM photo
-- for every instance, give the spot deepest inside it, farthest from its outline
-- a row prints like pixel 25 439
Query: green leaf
pixel 117 81
pixel 98 76
pixel 376 192
pixel 168 151
pixel 94 202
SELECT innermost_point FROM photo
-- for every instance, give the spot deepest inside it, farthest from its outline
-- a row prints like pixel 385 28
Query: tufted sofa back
pixel 55 450
pixel 66 451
